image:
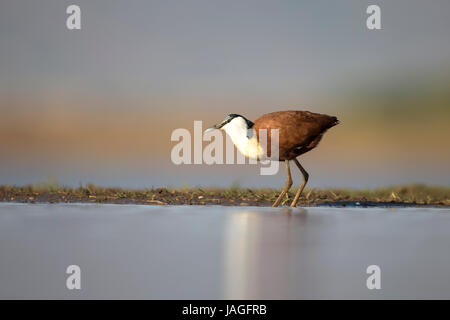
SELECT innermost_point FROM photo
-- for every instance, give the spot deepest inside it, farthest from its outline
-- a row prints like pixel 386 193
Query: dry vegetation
pixel 415 195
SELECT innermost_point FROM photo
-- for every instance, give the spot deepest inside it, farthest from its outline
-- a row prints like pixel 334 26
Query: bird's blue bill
pixel 210 129
pixel 220 125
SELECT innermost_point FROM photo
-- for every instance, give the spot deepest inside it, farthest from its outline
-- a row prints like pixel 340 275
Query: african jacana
pixel 298 133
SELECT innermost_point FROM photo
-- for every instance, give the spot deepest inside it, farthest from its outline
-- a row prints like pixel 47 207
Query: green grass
pixel 53 192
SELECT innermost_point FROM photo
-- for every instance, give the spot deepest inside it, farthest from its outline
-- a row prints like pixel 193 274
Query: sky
pixel 161 48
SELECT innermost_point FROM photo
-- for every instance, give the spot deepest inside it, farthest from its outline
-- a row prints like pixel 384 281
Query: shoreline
pixel 387 205
pixel 396 196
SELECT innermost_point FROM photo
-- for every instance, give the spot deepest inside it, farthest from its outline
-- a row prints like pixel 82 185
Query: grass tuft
pixel 51 191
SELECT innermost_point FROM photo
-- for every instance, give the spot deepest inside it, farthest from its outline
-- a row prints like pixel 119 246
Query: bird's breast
pixel 248 145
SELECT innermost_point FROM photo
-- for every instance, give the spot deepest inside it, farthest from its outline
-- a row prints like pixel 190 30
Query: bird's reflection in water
pixel 259 249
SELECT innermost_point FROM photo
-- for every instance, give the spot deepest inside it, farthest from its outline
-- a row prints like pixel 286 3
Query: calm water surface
pixel 181 252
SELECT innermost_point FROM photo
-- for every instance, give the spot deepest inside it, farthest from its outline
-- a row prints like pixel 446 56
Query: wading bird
pixel 298 133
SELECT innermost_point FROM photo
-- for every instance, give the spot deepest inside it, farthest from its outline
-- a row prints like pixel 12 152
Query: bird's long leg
pixel 286 187
pixel 302 186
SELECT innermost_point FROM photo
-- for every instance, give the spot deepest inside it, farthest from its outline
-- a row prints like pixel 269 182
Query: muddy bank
pixel 412 195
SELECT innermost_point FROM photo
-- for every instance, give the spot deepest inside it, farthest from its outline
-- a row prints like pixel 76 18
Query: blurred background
pixel 98 105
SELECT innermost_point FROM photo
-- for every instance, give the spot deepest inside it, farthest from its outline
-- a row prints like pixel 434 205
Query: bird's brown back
pixel 299 131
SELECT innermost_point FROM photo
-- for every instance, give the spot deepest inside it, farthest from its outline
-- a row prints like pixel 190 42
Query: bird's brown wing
pixel 297 130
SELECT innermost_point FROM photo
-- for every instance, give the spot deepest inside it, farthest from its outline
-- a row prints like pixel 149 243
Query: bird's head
pixel 231 121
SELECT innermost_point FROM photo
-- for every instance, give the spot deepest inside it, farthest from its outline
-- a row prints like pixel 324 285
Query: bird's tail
pixel 334 121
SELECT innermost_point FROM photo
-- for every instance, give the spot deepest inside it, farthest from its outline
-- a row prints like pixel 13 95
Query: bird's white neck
pixel 244 138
